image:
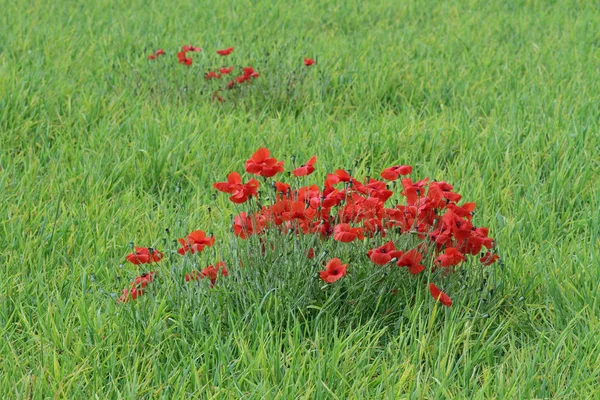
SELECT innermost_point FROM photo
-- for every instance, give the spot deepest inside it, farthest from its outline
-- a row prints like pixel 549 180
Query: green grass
pixel 99 148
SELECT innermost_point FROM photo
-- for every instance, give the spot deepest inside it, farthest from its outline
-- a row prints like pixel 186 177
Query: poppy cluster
pixel 350 210
pixel 195 242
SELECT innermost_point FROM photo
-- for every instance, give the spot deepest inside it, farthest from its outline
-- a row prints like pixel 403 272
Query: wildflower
pixel 245 226
pixel 311 253
pixel 384 254
pixel 345 233
pixel 281 187
pixel 211 272
pixel 144 255
pixel 184 59
pixel 261 164
pixel 191 48
pixel 392 173
pixel 308 61
pixel 489 258
pixel 212 75
pixel 225 71
pixel 306 168
pixel 334 270
pixel 239 192
pixel 155 55
pixel 195 242
pixel 137 287
pixel 450 258
pixel 412 260
pixel 225 52
pixel 439 295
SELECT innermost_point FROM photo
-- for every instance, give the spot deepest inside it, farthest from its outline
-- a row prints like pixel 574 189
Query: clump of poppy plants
pixel 344 229
pixel 221 76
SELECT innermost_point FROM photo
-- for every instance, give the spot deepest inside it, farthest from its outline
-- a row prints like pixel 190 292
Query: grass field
pixel 100 148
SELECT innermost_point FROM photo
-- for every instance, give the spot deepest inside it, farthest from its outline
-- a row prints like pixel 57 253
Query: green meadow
pixel 101 148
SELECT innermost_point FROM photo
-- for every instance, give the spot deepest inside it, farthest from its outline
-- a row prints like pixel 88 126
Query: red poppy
pixel 157 53
pixel 239 192
pixel 211 272
pixel 132 293
pixel 412 260
pixel 225 71
pixel 230 84
pixel 307 168
pixel 311 253
pixel 137 287
pixel 489 258
pixel 183 58
pixel 193 276
pixel 334 270
pixel 144 255
pixel 191 48
pixel 345 233
pixel 384 254
pixel 152 56
pixel 195 242
pixel 249 72
pixel 339 176
pixel 439 295
pixel 225 52
pixel 450 258
pixel 308 61
pixel 212 75
pixel 392 173
pixel 261 164
pixel 281 187
pixel 245 226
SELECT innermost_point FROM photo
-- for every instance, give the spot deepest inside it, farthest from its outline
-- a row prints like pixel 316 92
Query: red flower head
pixel 152 56
pixel 311 253
pixel 334 270
pixel 144 255
pixel 450 258
pixel 185 49
pixel 211 272
pixel 307 168
pixel 157 53
pixel 261 164
pixel 225 71
pixel 239 192
pixel 195 242
pixel 308 61
pixel 392 173
pixel 137 287
pixel 412 260
pixel 281 187
pixel 212 75
pixel 345 233
pixel 245 226
pixel 339 176
pixel 225 52
pixel 439 295
pixel 489 258
pixel 184 59
pixel 250 73
pixel 384 254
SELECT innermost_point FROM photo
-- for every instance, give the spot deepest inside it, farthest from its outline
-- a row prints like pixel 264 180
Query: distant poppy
pixel 311 253
pixel 345 233
pixel 225 52
pixel 225 71
pixel 239 192
pixel 439 295
pixel 191 48
pixel 334 270
pixel 144 255
pixel 308 62
pixel 306 168
pixel 212 75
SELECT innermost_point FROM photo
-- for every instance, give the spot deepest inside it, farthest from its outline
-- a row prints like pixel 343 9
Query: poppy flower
pixel 193 276
pixel 239 191
pixel 311 253
pixel 184 59
pixel 412 260
pixel 225 52
pixel 450 258
pixel 185 49
pixel 392 173
pixel 211 272
pixel 144 255
pixel 137 287
pixel 345 233
pixel 334 270
pixel 262 165
pixel 306 168
pixel 384 254
pixel 132 293
pixel 250 72
pixel 339 176
pixel 281 187
pixel 195 242
pixel 245 225
pixel 489 258
pixel 225 71
pixel 152 56
pixel 308 61
pixel 440 296
pixel 157 53
pixel 212 75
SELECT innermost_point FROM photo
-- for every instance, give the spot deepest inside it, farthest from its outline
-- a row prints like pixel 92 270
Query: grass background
pixel 99 148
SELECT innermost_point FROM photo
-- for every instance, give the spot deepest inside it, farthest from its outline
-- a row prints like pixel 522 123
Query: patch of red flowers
pixel 225 52
pixel 195 242
pixel 137 287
